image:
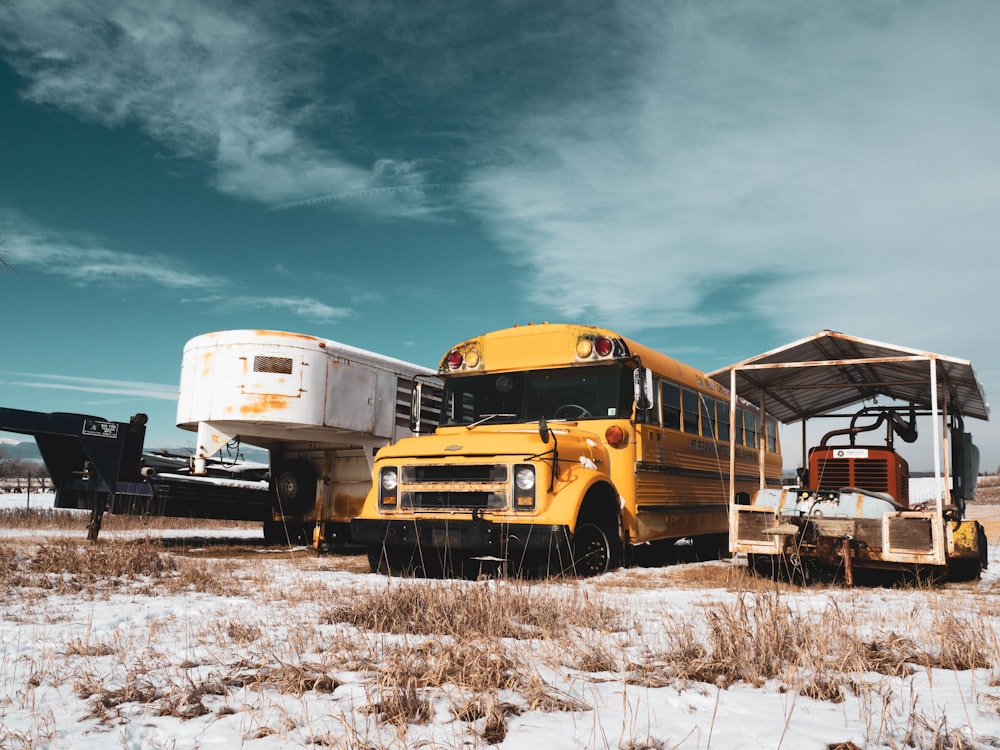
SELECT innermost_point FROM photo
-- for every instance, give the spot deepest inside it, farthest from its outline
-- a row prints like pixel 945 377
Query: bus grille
pixel 455 486
pixel 455 473
pixel 453 500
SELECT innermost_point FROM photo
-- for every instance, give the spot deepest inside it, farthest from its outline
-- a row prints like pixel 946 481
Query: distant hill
pixel 28 450
pixel 22 449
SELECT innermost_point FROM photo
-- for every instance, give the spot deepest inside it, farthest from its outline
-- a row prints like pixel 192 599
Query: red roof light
pixel 603 346
pixel 454 359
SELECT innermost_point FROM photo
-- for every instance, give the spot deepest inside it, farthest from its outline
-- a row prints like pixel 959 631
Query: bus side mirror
pixel 543 430
pixel 642 381
pixel 415 395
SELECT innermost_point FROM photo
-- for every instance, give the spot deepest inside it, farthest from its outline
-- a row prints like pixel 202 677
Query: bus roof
pixel 830 370
pixel 544 345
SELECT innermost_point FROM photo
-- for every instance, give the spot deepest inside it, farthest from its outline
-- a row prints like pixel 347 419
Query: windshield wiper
pixel 486 418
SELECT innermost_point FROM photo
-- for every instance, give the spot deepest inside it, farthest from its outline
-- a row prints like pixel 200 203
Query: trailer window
pixel 279 365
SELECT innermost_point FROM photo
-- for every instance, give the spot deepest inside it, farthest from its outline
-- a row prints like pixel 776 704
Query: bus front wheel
pixel 593 549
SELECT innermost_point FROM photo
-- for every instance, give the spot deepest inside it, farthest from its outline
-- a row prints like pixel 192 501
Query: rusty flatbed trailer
pixel 850 511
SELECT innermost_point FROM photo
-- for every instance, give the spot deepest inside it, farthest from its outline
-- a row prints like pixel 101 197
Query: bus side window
pixel 671 401
pixel 722 410
pixel 739 427
pixel 748 429
pixel 653 413
pixel 707 406
pixel 689 403
pixel 772 436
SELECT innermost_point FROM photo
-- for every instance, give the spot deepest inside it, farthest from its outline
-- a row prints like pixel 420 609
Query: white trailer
pixel 320 408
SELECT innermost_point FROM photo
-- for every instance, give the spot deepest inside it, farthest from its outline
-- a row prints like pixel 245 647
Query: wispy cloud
pixel 839 155
pixel 85 260
pixel 227 84
pixel 91 385
pixel 304 307
pixel 648 164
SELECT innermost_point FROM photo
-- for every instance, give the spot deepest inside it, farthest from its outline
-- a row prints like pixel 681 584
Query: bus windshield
pixel 570 393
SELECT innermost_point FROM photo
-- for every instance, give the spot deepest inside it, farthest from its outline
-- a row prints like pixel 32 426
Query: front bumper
pixel 467 537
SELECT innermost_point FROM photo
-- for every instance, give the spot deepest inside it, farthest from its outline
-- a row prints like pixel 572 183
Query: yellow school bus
pixel 563 448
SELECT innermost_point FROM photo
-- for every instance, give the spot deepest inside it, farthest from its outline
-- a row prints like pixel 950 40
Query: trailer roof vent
pixel 279 365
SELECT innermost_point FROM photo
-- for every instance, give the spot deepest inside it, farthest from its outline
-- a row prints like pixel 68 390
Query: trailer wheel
pixel 295 488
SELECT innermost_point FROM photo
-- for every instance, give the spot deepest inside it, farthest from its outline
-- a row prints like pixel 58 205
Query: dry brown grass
pixel 493 609
pixel 757 637
pixel 486 650
pixel 67 566
pixel 988 490
pixel 62 519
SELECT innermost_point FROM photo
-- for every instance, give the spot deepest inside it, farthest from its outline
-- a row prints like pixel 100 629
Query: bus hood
pixel 572 443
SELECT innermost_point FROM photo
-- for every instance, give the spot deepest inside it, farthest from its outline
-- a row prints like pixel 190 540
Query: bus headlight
pixel 524 487
pixel 388 482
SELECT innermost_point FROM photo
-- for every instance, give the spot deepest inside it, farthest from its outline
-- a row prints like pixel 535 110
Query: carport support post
pixel 762 438
pixel 936 432
pixel 946 444
pixel 732 459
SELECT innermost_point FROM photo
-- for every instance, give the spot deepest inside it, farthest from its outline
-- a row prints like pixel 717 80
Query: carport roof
pixel 830 370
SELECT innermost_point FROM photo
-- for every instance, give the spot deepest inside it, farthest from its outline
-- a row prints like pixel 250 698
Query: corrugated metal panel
pixel 796 388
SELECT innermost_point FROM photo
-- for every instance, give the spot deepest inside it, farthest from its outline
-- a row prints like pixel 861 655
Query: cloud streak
pixel 227 85
pixel 304 307
pixel 836 157
pixel 127 388
pixel 85 261
pixel 650 164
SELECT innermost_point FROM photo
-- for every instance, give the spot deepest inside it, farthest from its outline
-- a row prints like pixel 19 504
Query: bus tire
pixel 596 547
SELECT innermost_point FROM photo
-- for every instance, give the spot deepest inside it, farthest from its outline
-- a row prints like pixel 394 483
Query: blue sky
pixel 715 179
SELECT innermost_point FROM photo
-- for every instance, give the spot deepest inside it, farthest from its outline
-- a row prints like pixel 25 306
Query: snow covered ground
pixel 252 649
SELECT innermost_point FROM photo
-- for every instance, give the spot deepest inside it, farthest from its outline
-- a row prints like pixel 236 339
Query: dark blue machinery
pixel 99 465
